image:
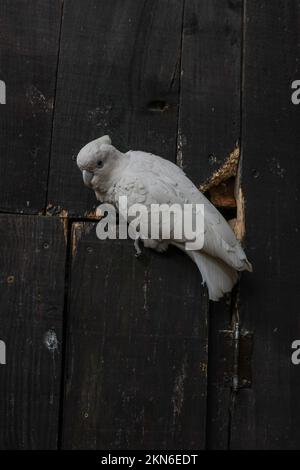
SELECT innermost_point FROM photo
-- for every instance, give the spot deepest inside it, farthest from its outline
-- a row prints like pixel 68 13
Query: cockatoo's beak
pixel 87 177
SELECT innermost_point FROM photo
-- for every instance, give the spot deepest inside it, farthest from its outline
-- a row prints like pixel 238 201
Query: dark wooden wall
pixel 104 350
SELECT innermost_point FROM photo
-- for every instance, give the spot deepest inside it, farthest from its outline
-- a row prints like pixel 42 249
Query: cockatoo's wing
pixel 150 179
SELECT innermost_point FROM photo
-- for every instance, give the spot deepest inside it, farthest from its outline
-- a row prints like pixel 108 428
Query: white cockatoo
pixel 147 179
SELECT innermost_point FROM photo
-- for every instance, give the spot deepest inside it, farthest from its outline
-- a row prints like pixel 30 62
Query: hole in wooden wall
pixel 223 189
pixel 223 197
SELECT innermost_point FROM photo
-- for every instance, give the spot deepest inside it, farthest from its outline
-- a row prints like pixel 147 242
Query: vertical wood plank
pixel 268 415
pixel 209 127
pixel 32 259
pixel 118 75
pixel 137 348
pixel 219 379
pixel 28 58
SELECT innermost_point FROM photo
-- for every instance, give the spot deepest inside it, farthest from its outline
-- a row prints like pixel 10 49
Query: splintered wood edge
pixel 64 221
pixel 76 234
pixel 231 168
pixel 238 224
pixel 227 170
pixel 79 229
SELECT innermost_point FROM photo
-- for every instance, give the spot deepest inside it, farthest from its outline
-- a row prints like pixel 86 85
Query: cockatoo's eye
pixel 99 163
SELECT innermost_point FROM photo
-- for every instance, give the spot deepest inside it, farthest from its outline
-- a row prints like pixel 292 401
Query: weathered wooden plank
pixel 268 415
pixel 209 127
pixel 118 75
pixel 219 379
pixel 32 259
pixel 28 59
pixel 137 348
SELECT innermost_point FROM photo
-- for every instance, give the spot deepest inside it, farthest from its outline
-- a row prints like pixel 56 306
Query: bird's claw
pixel 138 251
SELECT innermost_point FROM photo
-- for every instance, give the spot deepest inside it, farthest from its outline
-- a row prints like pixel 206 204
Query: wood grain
pixel 186 80
pixel 209 124
pixel 137 348
pixel 209 127
pixel 268 415
pixel 29 34
pixel 118 75
pixel 32 260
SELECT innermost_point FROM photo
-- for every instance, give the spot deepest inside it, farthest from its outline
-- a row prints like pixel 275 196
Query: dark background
pixel 106 351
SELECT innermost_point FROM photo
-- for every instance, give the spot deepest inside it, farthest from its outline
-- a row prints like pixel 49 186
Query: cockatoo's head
pixel 97 160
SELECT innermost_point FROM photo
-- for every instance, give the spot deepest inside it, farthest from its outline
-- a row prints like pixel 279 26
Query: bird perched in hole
pixel 148 179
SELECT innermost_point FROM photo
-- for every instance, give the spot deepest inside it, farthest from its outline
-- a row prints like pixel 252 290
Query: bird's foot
pixel 138 251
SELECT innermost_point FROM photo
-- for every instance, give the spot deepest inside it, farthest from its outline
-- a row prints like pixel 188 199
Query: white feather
pixel 149 179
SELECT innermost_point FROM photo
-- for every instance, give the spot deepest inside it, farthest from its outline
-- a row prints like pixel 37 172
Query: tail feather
pixel 218 276
pixel 233 256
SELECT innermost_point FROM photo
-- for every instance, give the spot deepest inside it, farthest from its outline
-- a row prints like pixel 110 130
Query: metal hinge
pixel 236 350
